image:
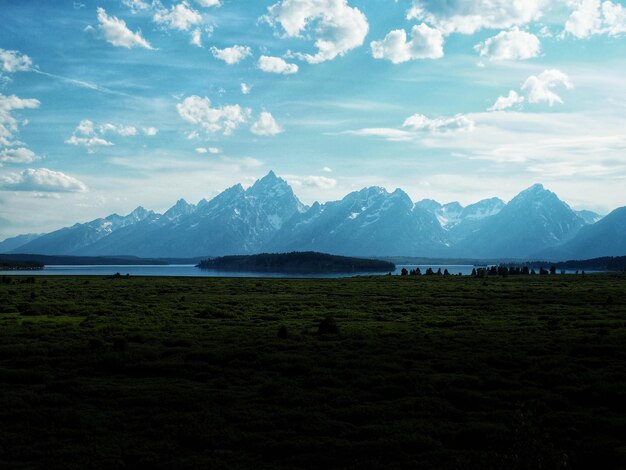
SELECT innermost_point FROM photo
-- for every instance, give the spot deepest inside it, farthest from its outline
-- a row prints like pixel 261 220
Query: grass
pixel 524 372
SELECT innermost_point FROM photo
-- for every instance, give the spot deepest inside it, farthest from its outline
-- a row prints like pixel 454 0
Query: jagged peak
pixel 428 204
pixel 268 183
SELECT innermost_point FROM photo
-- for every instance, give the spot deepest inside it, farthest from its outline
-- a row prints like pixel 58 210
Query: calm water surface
pixel 189 270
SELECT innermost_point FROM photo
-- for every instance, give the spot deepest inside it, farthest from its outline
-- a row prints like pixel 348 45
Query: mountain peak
pixel 535 188
pixel 139 213
pixel 181 208
pixel 269 186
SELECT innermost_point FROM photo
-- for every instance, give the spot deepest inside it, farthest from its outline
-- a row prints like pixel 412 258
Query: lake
pixel 189 270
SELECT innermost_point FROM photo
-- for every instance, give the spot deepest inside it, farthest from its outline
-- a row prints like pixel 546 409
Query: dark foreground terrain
pixel 525 372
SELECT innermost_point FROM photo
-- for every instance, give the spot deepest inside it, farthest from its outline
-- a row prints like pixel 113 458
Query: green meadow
pixel 521 372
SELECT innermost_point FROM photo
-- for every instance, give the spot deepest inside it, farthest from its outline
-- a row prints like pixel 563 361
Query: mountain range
pixel 268 217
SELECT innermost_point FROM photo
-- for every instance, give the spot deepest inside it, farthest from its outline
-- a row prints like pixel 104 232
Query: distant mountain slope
pixel 370 222
pixel 533 220
pixel 606 237
pixel 71 240
pixel 268 217
pixel 14 243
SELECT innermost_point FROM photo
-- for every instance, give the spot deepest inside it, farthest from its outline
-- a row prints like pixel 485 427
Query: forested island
pixel 296 262
pixel 22 265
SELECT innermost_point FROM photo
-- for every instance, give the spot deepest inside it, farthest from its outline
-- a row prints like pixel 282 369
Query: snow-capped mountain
pixel 533 220
pixel 371 222
pixel 70 240
pixel 237 221
pixel 458 221
pixel 607 237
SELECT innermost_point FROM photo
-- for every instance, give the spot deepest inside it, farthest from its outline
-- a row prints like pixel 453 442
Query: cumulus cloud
pixel 15 61
pixel 505 102
pixel 417 127
pixel 9 125
pixel 209 3
pixel 540 88
pixel 419 122
pixel 88 142
pixel 510 45
pixel 196 37
pixel 312 181
pixel 124 131
pixel 536 89
pixel 211 150
pixel 425 43
pixel 266 125
pixel 224 120
pixel 592 17
pixel 181 17
pixel 470 16
pixel 150 131
pixel 336 26
pixel 41 180
pixel 231 55
pixel 18 155
pixel 136 5
pixel 245 89
pixel 91 135
pixel 276 65
pixel 117 33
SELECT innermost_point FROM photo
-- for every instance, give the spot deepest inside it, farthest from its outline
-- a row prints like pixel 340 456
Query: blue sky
pixel 111 104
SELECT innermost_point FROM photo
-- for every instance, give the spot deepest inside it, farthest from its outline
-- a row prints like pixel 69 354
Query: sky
pixel 110 104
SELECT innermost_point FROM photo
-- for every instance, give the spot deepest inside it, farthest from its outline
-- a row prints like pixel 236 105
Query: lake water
pixel 189 270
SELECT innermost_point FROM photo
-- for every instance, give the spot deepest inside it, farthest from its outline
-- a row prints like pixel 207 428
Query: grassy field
pixel 525 372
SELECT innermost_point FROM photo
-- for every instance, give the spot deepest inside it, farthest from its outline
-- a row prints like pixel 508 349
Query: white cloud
pixel 592 17
pixel 505 102
pixel 225 119
pixel 510 45
pixel 17 155
pixel 117 33
pixel 419 122
pixel 266 125
pixel 425 43
pixel 211 150
pixel 336 26
pixel 88 142
pixel 41 180
pixel 209 3
pixel 196 37
pixel 124 131
pixel 15 61
pixel 181 17
pixel 536 89
pixel 276 65
pixel 327 169
pixel 136 5
pixel 150 131
pixel 231 55
pixel 418 127
pixel 9 125
pixel 470 16
pixel 539 88
pixel 90 135
pixel 245 89
pixel 387 133
pixel 311 181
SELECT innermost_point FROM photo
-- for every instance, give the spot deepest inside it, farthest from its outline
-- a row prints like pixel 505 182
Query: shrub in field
pixel 328 326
